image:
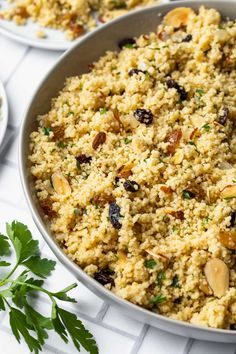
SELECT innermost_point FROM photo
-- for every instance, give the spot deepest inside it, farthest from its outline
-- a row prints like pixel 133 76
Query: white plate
pixel 3 113
pixel 55 39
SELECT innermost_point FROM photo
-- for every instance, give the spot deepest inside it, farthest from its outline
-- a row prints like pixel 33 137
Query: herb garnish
pixel 61 145
pixel 175 282
pixel 206 127
pixel 161 276
pixel 150 263
pixel 103 110
pixel 46 130
pixel 158 299
pixel 25 321
pixel 127 140
pixel 186 194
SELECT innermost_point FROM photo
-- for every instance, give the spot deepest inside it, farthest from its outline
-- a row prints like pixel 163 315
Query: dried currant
pixel 83 158
pixel 188 38
pixel 104 276
pixel 180 89
pixel 131 186
pixel 232 218
pixel 143 115
pixel 136 72
pixel 114 215
pixel 224 116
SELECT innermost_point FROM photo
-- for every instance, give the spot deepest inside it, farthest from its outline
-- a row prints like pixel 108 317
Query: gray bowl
pixel 75 62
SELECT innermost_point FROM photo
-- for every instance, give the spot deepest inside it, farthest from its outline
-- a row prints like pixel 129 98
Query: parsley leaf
pixel 25 321
pixel 161 276
pixel 103 110
pixel 158 299
pixel 150 263
pixel 175 282
pixel 4 246
pixel 206 127
pixel 46 131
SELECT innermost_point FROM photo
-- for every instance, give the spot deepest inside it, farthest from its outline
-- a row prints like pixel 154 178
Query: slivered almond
pixel 217 275
pixel 60 184
pixel 178 157
pixel 158 256
pixel 229 191
pixel 228 239
pixel 178 17
pixel 166 189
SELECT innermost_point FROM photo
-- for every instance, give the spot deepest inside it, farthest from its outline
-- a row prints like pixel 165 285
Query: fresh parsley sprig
pixel 25 321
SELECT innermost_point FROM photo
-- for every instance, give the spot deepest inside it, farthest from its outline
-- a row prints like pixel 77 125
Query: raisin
pixel 114 215
pixel 188 38
pixel 131 186
pixel 232 218
pixel 143 115
pixel 177 214
pixel 180 89
pixel 224 116
pixel 104 276
pixel 83 158
pixel 126 41
pixel 173 138
pixel 99 139
pixel 46 205
pixel 136 72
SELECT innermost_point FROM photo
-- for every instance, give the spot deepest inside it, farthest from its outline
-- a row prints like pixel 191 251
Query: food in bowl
pixel 134 169
pixel 72 16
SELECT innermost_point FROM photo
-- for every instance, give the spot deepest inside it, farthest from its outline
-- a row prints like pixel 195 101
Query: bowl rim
pixel 4 113
pixel 75 269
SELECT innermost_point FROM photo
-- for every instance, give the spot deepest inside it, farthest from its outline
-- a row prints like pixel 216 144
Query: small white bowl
pixel 3 112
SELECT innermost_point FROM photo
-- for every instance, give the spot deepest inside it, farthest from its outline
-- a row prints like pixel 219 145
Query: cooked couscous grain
pixel 135 169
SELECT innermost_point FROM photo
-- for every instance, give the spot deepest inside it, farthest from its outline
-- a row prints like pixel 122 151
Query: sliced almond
pixel 178 157
pixel 228 239
pixel 217 275
pixel 158 256
pixel 166 189
pixel 178 17
pixel 60 184
pixel 229 191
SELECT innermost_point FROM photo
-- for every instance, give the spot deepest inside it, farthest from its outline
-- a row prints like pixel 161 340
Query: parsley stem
pixel 35 287
pixel 5 280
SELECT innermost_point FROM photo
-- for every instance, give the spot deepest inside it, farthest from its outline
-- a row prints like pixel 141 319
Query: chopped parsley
pixel 186 194
pixel 158 299
pixel 78 164
pixel 150 263
pixel 206 127
pixel 175 282
pixel 103 110
pixel 192 143
pixel 46 130
pixel 127 140
pixel 161 276
pixel 130 45
pixel 61 145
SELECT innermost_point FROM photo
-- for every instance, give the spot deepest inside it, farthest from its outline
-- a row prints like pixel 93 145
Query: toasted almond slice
pixel 228 239
pixel 178 17
pixel 178 157
pixel 60 184
pixel 158 256
pixel 217 275
pixel 229 191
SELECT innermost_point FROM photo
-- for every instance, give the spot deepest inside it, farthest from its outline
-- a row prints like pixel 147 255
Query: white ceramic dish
pixel 3 112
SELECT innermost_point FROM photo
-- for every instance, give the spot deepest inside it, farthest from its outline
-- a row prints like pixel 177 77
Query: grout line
pixel 188 346
pixel 94 321
pixel 101 314
pixel 27 50
pixel 140 339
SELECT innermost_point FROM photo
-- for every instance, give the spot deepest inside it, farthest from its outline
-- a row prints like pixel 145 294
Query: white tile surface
pixel 21 69
pixel 159 342
pixel 11 54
